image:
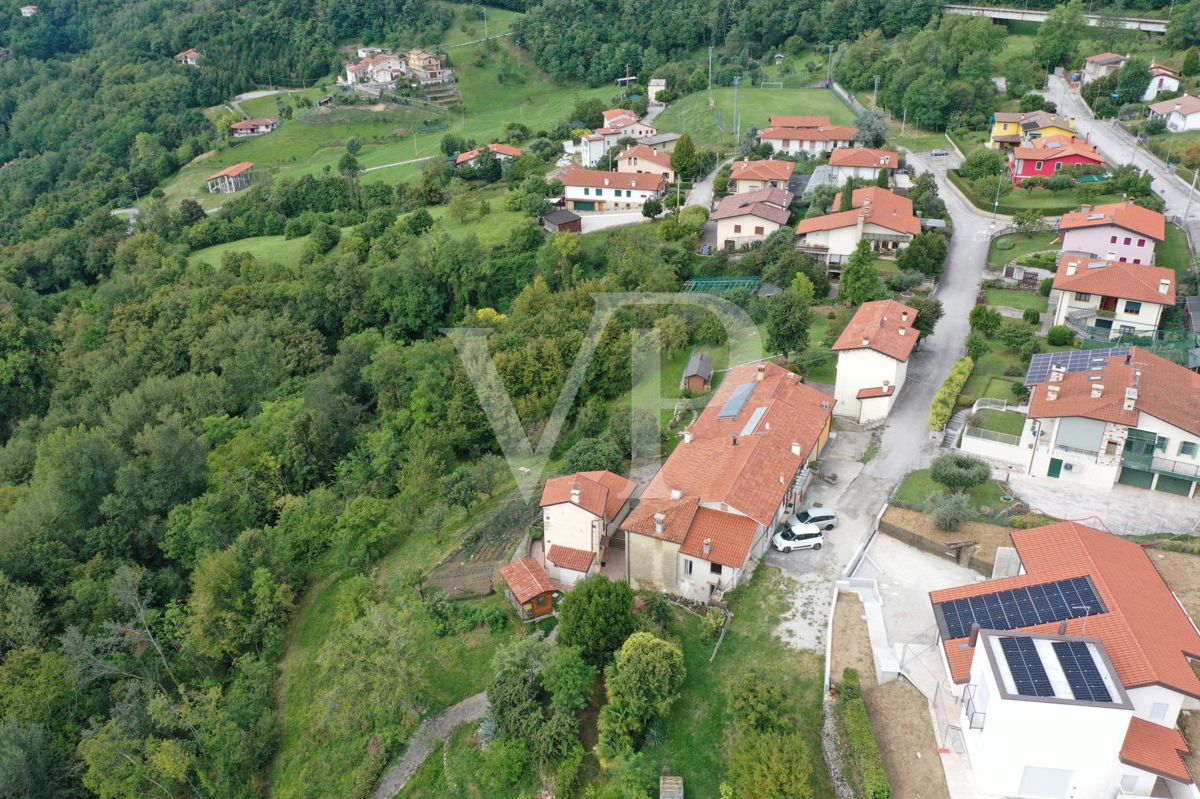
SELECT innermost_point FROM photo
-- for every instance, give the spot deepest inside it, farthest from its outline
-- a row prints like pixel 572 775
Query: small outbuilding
pixel 563 221
pixel 530 588
pixel 697 377
pixel 231 179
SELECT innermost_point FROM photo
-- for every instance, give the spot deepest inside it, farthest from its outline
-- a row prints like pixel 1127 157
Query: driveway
pixel 1122 509
pixel 602 220
pixel 702 190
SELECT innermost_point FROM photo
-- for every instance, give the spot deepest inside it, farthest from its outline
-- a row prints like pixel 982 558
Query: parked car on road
pixel 802 536
pixel 824 518
pixel 706 249
pixel 939 152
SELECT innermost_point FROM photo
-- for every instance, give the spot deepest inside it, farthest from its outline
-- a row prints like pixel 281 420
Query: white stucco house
pixel 247 128
pixel 1120 415
pixel 863 163
pixel 503 152
pixel 1162 79
pixel 748 176
pixel 1073 673
pixel 1182 113
pixel 1121 231
pixel 811 141
pixel 640 159
pixel 882 217
pixel 708 515
pixel 1099 299
pixel 29 11
pixel 744 219
pixel 189 57
pixel 873 353
pixel 1100 65
pixel 580 514
pixel 590 190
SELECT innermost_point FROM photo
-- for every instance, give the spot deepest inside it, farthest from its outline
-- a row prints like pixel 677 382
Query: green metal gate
pixel 1135 477
pixel 1173 485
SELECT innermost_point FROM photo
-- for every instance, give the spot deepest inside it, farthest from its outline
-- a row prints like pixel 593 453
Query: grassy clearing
pixel 1042 199
pixel 269 106
pixel 1007 422
pixel 919 485
pixel 266 249
pixel 1173 252
pixel 1021 300
pixel 920 143
pixel 692 115
pixel 492 229
pixel 1022 245
pixel 499 21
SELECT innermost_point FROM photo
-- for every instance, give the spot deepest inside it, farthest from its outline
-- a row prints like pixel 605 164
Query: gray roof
pixel 662 138
pixel 560 217
pixel 699 365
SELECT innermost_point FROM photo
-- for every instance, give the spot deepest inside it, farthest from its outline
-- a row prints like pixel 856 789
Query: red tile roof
pixel 1105 57
pixel 729 534
pixel 864 157
pixel 1156 749
pixel 762 170
pixel 834 133
pixel 189 53
pixel 232 171
pixel 878 324
pixel 753 475
pixel 601 493
pixel 579 560
pixel 769 204
pixel 677 516
pixel 251 124
pixel 1125 215
pixel 1117 279
pixel 620 113
pixel 806 121
pixel 877 206
pixel 641 151
pixel 875 392
pixel 495 147
pixel 527 579
pixel 1051 148
pixel 616 180
pixel 1165 390
pixel 1159 70
pixel 1147 635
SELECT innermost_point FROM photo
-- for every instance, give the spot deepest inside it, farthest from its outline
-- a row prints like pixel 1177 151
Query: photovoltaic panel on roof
pixel 737 400
pixel 1018 608
pixel 1025 665
pixel 1087 684
pixel 753 421
pixel 1071 360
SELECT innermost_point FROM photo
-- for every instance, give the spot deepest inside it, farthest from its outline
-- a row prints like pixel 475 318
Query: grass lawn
pixel 692 115
pixel 1008 422
pixel 499 21
pixel 1042 198
pixel 824 370
pixel 456 763
pixel 266 249
pixel 932 141
pixel 1022 245
pixel 919 485
pixel 1173 252
pixel 269 106
pixel 490 230
pixel 1021 300
pixel 886 266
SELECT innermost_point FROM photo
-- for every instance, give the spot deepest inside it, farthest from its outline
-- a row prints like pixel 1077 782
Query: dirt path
pixel 425 738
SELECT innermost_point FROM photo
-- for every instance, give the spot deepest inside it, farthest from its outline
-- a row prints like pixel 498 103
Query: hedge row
pixel 947 396
pixel 860 738
pixel 984 203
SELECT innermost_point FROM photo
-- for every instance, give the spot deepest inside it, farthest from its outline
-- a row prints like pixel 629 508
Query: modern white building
pixel 863 163
pixel 1101 299
pixel 745 219
pixel 873 353
pixel 1182 113
pixel 580 513
pixel 1121 415
pixel 590 190
pixel 1072 674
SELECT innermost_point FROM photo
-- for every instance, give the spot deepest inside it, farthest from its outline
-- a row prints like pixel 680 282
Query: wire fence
pixel 992 435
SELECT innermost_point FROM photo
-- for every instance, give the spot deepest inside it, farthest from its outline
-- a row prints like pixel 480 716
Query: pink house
pixel 1114 232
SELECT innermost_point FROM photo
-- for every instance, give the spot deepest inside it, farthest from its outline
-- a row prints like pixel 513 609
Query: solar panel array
pixel 1082 673
pixel 1025 665
pixel 737 400
pixel 1072 360
pixel 1021 607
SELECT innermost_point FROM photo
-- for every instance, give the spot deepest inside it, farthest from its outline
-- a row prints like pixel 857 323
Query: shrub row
pixel 947 396
pixel 860 738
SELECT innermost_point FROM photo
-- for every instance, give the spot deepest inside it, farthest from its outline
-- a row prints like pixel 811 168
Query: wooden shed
pixel 565 221
pixel 530 588
pixel 697 377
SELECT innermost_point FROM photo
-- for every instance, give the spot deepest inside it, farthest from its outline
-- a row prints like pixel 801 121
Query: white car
pixel 825 518
pixel 800 536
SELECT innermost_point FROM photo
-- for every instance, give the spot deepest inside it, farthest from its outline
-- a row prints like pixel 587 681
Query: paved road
pixel 398 163
pixel 438 728
pixel 236 102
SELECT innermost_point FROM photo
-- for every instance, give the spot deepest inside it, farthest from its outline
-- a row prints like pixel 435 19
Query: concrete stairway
pixel 954 427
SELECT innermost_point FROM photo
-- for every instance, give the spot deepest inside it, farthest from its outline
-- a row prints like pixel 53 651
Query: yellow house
pixel 1011 130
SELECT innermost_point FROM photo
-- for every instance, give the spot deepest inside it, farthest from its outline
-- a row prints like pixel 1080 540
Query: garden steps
pixel 957 422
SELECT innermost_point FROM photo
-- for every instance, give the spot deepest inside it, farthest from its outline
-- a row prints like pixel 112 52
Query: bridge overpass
pixel 1039 15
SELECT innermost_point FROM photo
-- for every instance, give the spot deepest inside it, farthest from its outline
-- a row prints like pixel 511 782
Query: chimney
pixel 1051 393
pixel 707 546
pixel 974 635
pixel 1164 286
pixel 1057 373
pixel 1072 267
pixel 1097 390
pixel 866 341
pixel 1131 396
pixel 761 373
pixel 676 493
pixel 659 520
pixel 575 495
pixel 903 331
pixel 904 316
pixel 796 448
pixel 1062 627
pixel 606 181
pixel 733 438
pixel 687 436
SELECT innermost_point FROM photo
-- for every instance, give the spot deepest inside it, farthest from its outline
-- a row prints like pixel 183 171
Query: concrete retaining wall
pixel 933 547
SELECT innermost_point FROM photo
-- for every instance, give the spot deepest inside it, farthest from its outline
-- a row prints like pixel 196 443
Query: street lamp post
pixel 736 121
pixel 485 30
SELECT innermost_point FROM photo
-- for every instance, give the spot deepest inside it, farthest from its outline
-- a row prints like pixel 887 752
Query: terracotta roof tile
pixel 878 324
pixel 1156 749
pixel 1145 631
pixel 579 560
pixel 769 204
pixel 1125 215
pixel 601 493
pixel 495 147
pixel 1188 104
pixel 615 180
pixel 1106 58
pixel 762 170
pixel 730 534
pixel 834 133
pixel 527 579
pixel 232 171
pixel 864 157
pixel 882 207
pixel 1051 148
pixel 1117 279
pixel 677 518
pixel 875 392
pixel 250 124
pixel 644 153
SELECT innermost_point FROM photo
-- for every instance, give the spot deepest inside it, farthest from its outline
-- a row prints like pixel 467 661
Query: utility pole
pixel 829 68
pixel 710 69
pixel 875 94
pixel 1191 191
pixel 485 32
pixel 736 121
pixel 903 122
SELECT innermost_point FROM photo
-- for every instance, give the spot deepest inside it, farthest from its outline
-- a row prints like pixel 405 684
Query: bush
pixel 948 510
pixel 985 319
pixel 903 281
pixel 977 345
pixel 1005 243
pixel 851 685
pixel 947 396
pixel 766 765
pixel 1060 335
pixel 754 702
pixel 1014 370
pixel 1020 391
pixel 566 776
pixel 959 472
pixel 1032 316
pixel 1026 521
pixel 864 755
pixel 714 621
pixel 1045 286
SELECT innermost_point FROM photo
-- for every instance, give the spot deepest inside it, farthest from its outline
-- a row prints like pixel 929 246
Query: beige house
pixel 883 218
pixel 708 515
pixel 873 353
pixel 748 176
pixel 1100 65
pixel 641 159
pixel 862 163
pixel 580 514
pixel 1102 299
pixel 743 219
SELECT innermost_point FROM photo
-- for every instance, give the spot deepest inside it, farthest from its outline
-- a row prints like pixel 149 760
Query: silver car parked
pixel 822 518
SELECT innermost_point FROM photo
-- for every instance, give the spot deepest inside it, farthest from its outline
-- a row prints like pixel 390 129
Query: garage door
pixel 582 206
pixel 1174 485
pixel 1136 477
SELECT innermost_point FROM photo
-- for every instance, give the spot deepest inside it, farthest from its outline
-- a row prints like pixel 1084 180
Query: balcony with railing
pixel 975 717
pixel 1149 462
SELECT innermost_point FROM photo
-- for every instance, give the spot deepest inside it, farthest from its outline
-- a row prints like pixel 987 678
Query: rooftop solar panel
pixel 753 421
pixel 1021 607
pixel 1087 684
pixel 737 400
pixel 1025 665
pixel 1071 360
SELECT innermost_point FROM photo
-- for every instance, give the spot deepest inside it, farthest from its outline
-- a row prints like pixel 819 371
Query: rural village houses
pixel 1098 299
pixel 862 163
pixel 743 219
pixel 580 514
pixel 619 123
pixel 590 190
pixel 640 159
pixel 1045 156
pixel 1121 231
pixel 1100 66
pixel 247 128
pixel 748 176
pixel 1180 114
pixel 1011 129
pixel 878 215
pixel 1072 674
pixel 873 353
pixel 503 152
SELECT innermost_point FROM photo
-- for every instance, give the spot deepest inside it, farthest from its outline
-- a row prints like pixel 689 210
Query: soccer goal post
pixel 770 85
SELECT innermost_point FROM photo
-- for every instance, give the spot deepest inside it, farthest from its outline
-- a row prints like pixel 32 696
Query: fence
pixel 847 98
pixel 992 435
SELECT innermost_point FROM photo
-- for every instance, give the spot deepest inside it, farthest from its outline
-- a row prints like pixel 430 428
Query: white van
pixel 802 536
